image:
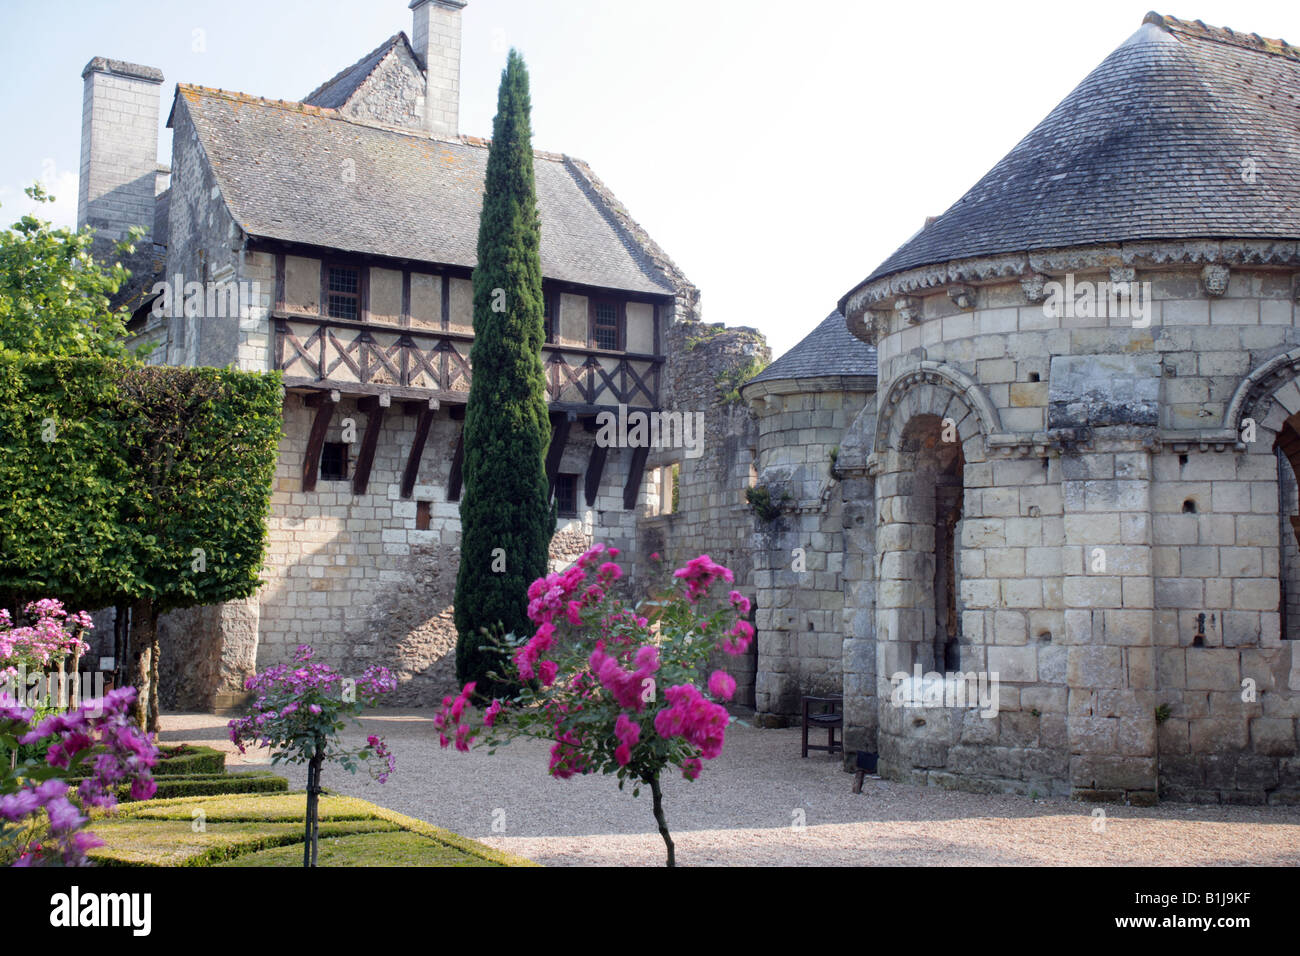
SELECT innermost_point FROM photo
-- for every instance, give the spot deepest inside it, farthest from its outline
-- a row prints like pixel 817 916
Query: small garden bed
pixel 266 830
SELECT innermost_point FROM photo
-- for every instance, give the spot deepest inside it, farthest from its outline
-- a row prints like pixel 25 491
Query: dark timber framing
pixel 412 470
pixel 595 471
pixel 374 412
pixel 457 463
pixel 560 422
pixel 635 475
pixel 323 402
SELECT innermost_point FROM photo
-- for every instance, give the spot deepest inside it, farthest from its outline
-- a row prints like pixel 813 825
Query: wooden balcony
pixel 369 359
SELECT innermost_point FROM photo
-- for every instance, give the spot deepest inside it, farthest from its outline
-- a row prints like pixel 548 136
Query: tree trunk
pixel 660 818
pixel 143 624
pixel 121 643
pixel 312 832
pixel 154 653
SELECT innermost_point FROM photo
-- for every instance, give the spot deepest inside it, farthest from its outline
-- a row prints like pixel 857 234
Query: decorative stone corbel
pixel 963 296
pixel 1034 286
pixel 1215 279
pixel 1122 275
pixel 908 308
pixel 1295 287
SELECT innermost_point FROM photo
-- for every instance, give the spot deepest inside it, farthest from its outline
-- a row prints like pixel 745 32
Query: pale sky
pixel 778 151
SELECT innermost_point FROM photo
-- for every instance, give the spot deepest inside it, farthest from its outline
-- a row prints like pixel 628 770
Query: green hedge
pixel 114 473
pixel 190 760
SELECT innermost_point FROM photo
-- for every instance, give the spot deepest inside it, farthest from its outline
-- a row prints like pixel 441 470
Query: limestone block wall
pixel 1121 556
pixel 801 553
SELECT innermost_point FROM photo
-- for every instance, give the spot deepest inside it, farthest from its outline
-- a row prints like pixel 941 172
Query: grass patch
pixel 394 848
pixel 174 842
pixel 266 830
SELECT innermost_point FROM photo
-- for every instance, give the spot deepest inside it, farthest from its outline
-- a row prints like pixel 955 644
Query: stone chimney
pixel 435 34
pixel 120 174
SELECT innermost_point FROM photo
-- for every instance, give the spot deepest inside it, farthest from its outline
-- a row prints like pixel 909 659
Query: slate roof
pixel 829 349
pixel 281 169
pixel 1151 145
pixel 335 91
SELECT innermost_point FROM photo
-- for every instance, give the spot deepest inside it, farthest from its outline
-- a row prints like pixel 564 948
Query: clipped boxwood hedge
pixel 187 761
pixel 222 783
pixel 353 832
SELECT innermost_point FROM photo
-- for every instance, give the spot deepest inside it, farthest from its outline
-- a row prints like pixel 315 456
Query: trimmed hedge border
pixel 374 823
pixel 204 760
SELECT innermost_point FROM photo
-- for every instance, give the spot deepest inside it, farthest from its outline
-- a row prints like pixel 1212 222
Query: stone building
pixel 333 240
pixel 1080 459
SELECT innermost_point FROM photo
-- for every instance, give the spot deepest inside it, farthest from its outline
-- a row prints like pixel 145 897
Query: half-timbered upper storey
pixel 352 219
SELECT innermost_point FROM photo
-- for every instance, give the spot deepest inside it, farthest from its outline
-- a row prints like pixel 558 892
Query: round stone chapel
pixel 1073 493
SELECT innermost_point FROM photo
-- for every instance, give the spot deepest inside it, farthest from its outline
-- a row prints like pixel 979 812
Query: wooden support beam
pixel 595 470
pixel 373 408
pixel 559 438
pixel 323 402
pixel 457 463
pixel 417 451
pixel 635 475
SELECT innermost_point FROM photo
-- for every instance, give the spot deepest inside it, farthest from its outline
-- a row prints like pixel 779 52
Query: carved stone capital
pixel 1034 286
pixel 908 309
pixel 963 296
pixel 1215 278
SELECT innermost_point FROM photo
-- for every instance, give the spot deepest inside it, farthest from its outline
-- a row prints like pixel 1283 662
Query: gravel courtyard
pixel 759 804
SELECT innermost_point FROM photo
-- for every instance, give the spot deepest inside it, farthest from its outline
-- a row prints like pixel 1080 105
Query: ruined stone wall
pixel 800 553
pixel 703 362
pixel 1101 519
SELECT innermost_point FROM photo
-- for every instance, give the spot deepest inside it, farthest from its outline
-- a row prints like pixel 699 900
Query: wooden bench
pixel 828 717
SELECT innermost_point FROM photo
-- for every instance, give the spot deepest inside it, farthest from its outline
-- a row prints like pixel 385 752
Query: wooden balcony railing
pixel 369 358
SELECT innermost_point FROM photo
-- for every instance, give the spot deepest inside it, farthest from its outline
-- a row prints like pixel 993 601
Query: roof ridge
pixel 382 48
pixel 1202 31
pixel 329 112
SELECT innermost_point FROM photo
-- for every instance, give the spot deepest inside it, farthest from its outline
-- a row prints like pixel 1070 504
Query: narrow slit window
pixel 422 515
pixel 344 293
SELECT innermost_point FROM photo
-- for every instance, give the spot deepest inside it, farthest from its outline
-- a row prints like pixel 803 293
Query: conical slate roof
pixel 1184 132
pixel 829 349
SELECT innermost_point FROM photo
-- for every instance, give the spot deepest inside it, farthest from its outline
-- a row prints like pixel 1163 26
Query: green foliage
pixel 507 429
pixel 54 296
pixel 730 381
pixel 761 503
pixel 1163 713
pixel 188 761
pixel 114 473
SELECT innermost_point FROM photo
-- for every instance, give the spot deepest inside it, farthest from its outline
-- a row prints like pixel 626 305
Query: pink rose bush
pixel 615 687
pixel 299 709
pixel 39 822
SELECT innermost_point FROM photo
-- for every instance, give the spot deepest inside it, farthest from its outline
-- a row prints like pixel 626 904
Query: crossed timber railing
pixel 338 352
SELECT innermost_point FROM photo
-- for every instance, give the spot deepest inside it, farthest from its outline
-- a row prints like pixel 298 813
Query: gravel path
pixel 747 806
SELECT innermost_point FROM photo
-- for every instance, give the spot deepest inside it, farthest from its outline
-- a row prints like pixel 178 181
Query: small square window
pixel 605 326
pixel 344 293
pixel 334 461
pixel 566 496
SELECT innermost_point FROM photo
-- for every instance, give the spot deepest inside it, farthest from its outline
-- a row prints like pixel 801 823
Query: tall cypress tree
pixel 506 521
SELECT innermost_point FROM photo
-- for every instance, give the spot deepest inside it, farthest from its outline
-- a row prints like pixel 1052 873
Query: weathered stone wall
pixel 801 553
pixel 703 362
pixel 392 95
pixel 1101 518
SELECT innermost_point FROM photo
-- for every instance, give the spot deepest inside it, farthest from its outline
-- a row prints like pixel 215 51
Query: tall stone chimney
pixel 119 154
pixel 435 34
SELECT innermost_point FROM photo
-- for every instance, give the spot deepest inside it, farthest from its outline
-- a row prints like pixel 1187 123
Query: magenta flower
pixel 722 684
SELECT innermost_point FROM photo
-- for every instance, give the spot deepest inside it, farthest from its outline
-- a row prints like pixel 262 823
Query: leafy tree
pixel 506 522
pixel 54 295
pixel 132 484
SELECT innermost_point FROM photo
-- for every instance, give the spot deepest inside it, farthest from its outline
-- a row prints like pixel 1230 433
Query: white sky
pixel 778 151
